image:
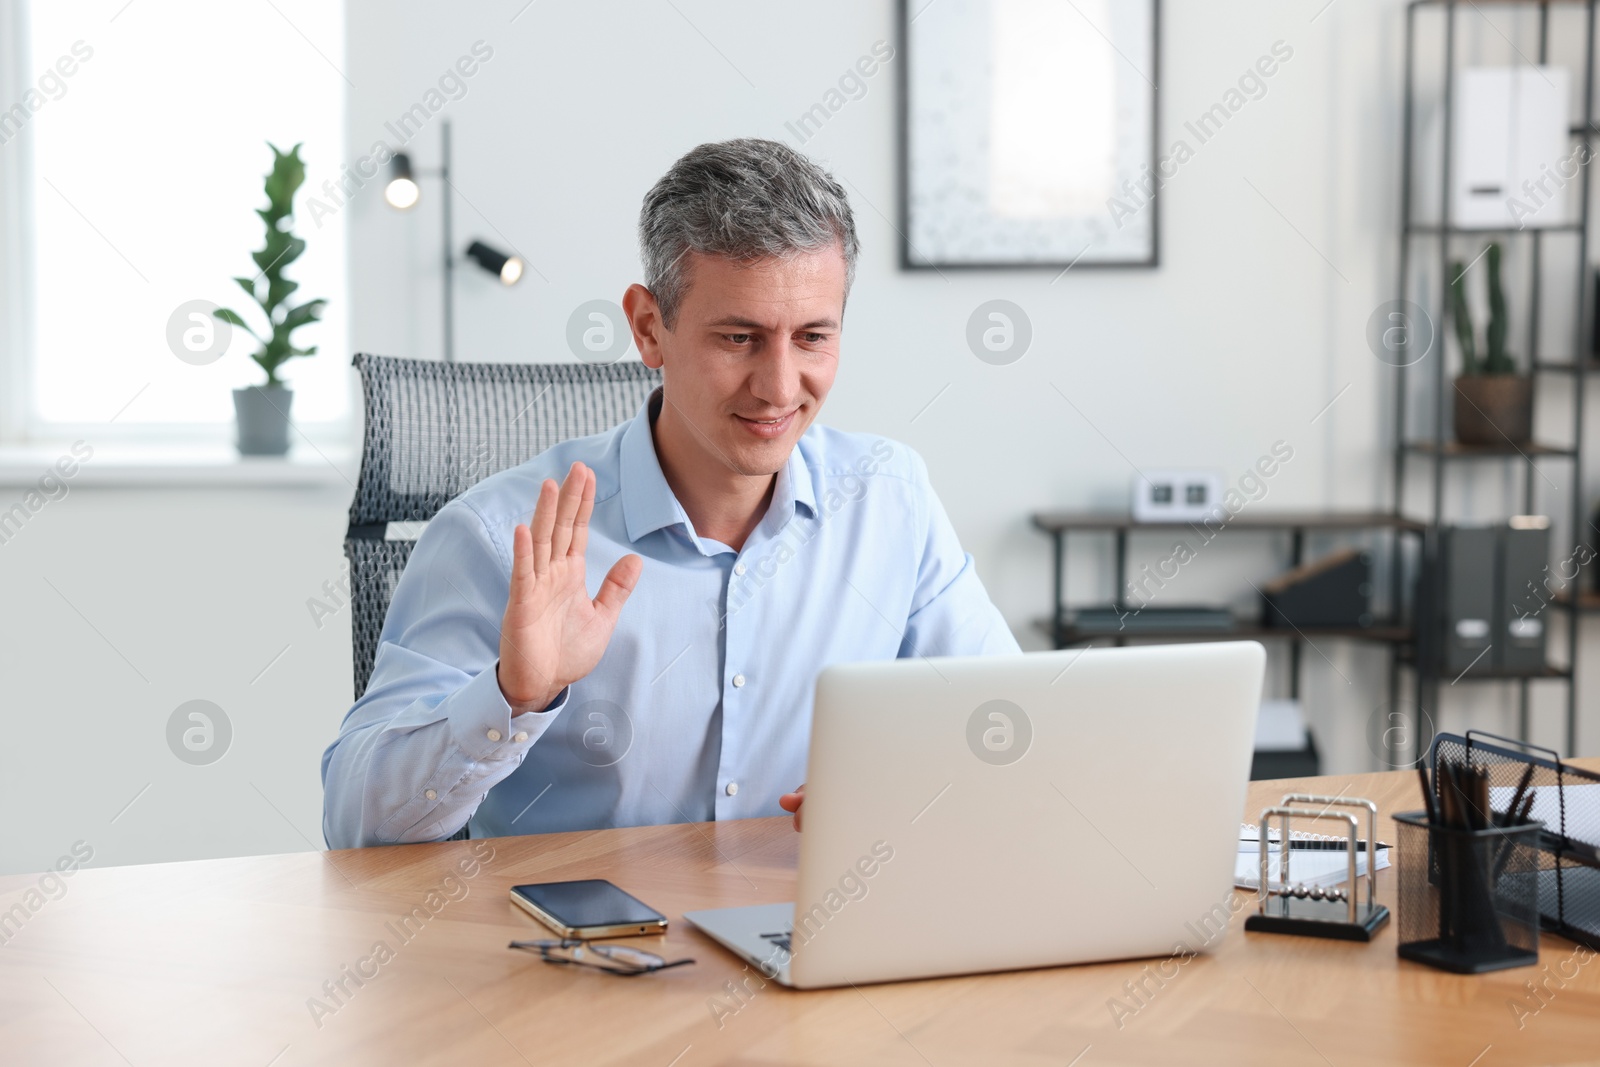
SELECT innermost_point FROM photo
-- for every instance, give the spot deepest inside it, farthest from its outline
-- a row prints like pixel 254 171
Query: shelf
pixel 1418 229
pixel 1550 672
pixel 1408 658
pixel 1500 676
pixel 1242 630
pixel 185 465
pixel 1590 366
pixel 1588 601
pixel 1496 3
pixel 1073 521
pixel 1457 450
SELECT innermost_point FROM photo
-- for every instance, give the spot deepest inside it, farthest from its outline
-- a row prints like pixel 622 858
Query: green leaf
pixel 277 293
pixel 231 317
pixel 288 174
pixel 310 311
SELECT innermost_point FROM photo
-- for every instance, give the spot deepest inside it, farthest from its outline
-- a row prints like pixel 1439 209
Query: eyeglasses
pixel 613 959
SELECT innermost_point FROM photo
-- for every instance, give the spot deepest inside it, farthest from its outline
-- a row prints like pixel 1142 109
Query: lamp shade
pixel 509 268
pixel 401 190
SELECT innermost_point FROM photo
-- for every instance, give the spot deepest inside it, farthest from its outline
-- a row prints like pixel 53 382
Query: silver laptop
pixel 993 813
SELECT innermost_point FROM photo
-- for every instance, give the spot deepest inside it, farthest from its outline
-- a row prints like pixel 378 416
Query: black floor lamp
pixel 402 193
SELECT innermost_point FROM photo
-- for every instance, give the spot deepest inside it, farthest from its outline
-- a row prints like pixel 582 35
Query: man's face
pixel 751 357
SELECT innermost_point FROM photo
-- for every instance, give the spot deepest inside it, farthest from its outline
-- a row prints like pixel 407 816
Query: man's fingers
pixel 544 521
pixel 567 509
pixel 580 525
pixel 521 561
pixel 619 583
pixel 792 802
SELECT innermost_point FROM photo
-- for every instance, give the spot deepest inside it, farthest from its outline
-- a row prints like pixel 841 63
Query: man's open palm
pixel 553 634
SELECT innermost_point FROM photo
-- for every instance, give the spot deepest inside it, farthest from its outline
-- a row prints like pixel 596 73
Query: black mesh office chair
pixel 434 429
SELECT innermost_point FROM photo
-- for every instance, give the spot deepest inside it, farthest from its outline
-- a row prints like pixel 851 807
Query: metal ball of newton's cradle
pixel 1301 891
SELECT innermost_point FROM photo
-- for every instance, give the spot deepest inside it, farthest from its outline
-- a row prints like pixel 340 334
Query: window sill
pixel 189 465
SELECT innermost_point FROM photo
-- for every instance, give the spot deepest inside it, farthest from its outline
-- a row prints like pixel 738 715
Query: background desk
pixel 216 962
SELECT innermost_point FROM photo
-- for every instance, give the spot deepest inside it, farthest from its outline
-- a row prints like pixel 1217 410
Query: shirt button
pixel 493 735
pixel 739 568
pixel 430 794
pixel 520 736
pixel 738 681
pixel 733 789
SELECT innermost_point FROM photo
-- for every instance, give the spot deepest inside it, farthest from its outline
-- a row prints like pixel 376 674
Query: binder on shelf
pixel 1334 591
pixel 1467 598
pixel 1508 122
pixel 1524 555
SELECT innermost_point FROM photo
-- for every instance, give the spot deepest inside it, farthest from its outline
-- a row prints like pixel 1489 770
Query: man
pixel 644 648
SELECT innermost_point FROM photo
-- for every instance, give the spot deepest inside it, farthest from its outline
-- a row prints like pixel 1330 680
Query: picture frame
pixel 979 188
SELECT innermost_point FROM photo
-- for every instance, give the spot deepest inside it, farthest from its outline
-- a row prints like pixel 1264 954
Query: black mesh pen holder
pixel 1567 803
pixel 1468 899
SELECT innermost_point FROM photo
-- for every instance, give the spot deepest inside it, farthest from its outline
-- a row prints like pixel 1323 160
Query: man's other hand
pixel 792 802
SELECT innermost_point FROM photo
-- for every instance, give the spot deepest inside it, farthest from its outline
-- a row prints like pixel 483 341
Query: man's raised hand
pixel 553 634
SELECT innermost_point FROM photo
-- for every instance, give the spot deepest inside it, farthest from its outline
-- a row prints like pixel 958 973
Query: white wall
pixel 1277 242
pixel 124 604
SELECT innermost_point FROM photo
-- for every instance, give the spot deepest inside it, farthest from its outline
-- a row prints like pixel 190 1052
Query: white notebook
pixel 1310 867
pixel 1581 802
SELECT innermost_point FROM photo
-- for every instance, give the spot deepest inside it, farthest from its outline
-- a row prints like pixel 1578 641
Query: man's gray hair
pixel 745 199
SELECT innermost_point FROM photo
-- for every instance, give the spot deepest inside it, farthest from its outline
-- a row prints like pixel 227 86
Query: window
pixel 132 144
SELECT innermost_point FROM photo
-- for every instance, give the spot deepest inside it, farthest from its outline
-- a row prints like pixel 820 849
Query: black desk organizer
pixel 1466 899
pixel 1567 871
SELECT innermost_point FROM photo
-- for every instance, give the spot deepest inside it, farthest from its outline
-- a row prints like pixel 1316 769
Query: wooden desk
pixel 217 963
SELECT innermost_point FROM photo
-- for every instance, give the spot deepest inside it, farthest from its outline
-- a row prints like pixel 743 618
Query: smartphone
pixel 587 909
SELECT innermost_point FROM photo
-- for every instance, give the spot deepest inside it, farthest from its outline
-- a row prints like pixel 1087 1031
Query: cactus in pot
pixel 1493 403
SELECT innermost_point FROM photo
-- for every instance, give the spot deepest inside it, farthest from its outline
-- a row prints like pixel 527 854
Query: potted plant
pixel 1493 403
pixel 263 410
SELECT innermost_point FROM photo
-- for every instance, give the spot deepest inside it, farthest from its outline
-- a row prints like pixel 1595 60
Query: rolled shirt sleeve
pixel 421 748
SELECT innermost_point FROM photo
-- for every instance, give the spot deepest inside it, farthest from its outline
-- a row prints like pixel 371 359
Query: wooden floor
pixel 238 962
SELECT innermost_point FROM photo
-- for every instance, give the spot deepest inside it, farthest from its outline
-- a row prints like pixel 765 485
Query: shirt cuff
pixel 481 725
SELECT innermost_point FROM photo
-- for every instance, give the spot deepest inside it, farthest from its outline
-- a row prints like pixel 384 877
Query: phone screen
pixel 590 902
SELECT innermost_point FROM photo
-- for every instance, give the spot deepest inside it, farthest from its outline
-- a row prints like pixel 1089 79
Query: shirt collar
pixel 648 503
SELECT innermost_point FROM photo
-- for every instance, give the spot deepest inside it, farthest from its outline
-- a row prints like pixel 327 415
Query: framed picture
pixel 1028 133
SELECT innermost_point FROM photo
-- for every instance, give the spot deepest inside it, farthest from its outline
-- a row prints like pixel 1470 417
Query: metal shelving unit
pixel 1438 453
pixel 1063 633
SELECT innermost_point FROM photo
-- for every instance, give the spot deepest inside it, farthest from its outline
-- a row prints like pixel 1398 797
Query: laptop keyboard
pixel 781 940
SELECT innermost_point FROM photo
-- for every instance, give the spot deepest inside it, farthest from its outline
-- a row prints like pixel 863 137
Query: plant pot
pixel 1492 409
pixel 262 412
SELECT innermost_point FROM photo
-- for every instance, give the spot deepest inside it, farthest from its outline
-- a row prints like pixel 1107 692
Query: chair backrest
pixel 433 430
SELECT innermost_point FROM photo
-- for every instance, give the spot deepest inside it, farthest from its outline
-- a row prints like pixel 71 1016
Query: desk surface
pixel 224 962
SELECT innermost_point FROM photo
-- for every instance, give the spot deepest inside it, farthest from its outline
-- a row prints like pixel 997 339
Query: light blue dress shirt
pixel 700 708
